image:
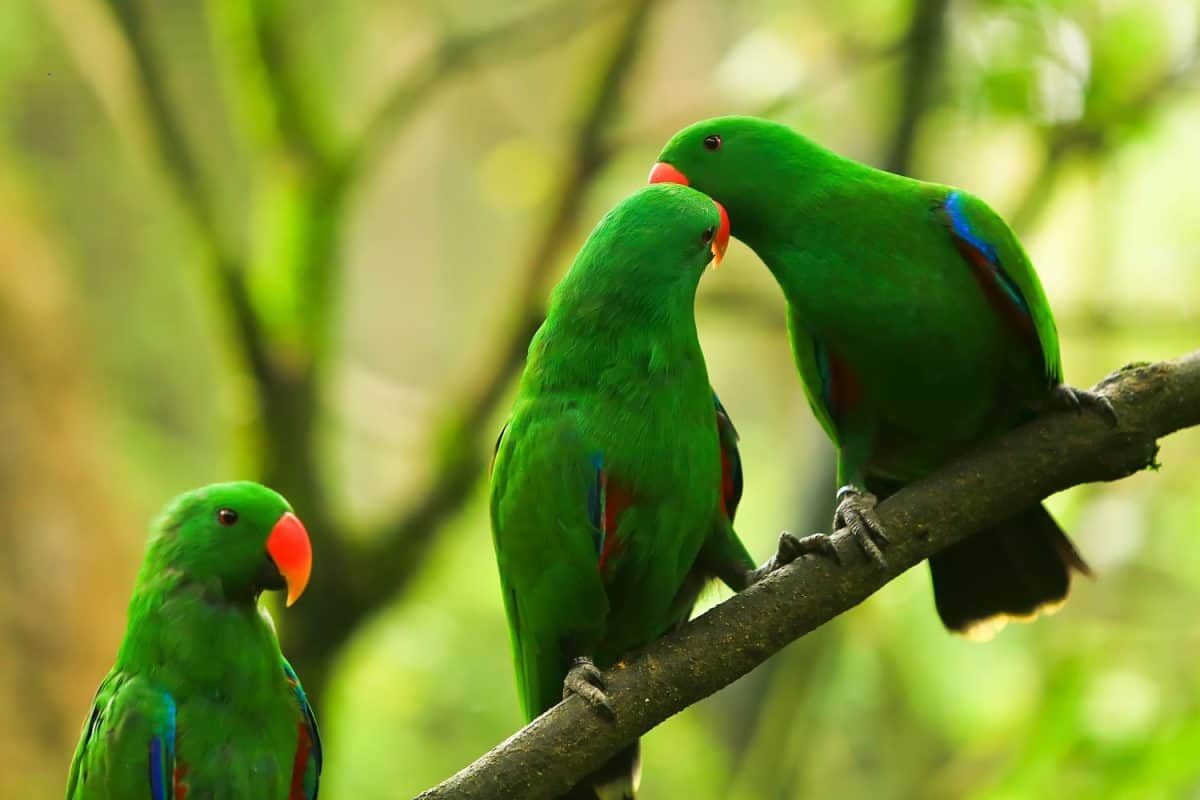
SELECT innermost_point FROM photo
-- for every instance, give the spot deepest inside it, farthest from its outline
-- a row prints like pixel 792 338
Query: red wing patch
pixel 840 386
pixel 617 499
pixel 1003 294
pixel 1000 300
pixel 731 461
pixel 300 763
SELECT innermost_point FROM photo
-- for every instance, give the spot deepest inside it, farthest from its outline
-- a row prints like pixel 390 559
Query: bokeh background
pixel 306 242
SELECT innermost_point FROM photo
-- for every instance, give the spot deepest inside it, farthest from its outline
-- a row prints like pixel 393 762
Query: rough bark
pixel 1050 454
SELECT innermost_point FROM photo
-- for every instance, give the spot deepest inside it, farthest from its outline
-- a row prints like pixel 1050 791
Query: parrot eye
pixel 712 142
pixel 708 234
pixel 227 517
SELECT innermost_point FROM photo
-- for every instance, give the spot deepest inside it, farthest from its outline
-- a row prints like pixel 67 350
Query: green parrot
pixel 919 329
pixel 615 480
pixel 201 703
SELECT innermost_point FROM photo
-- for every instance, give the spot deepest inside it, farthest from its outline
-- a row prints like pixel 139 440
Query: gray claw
pixel 791 548
pixel 815 544
pixel 856 511
pixel 585 680
pixel 1069 398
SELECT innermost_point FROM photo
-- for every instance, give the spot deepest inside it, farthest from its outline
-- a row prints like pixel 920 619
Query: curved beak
pixel 290 549
pixel 662 172
pixel 720 242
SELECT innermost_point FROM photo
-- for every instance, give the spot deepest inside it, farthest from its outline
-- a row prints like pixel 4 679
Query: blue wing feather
pixel 962 228
pixel 162 756
pixel 1002 268
pixel 158 789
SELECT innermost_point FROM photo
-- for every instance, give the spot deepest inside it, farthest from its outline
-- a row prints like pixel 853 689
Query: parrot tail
pixel 616 780
pixel 1014 571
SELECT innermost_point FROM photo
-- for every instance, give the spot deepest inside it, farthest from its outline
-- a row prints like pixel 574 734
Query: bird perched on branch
pixel 616 479
pixel 201 703
pixel 919 329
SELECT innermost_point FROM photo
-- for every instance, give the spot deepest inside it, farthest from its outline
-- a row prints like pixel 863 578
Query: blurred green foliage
pixel 376 197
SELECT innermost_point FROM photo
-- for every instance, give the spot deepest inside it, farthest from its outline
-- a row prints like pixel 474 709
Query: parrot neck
pixel 587 309
pixel 807 238
pixel 191 637
pixel 816 181
pixel 603 339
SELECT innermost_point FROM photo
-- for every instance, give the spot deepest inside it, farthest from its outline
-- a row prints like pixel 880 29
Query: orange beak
pixel 290 549
pixel 662 172
pixel 720 242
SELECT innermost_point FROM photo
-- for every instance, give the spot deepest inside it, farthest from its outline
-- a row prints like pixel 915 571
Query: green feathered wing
pixel 987 242
pixel 553 593
pixel 129 746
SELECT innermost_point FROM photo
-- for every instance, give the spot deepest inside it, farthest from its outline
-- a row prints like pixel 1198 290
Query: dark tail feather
pixel 616 780
pixel 1013 571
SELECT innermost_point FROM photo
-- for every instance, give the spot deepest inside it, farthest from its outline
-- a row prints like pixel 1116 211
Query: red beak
pixel 662 172
pixel 721 241
pixel 290 549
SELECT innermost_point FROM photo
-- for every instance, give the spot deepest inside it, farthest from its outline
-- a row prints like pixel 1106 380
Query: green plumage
pixel 918 326
pixel 200 702
pixel 607 505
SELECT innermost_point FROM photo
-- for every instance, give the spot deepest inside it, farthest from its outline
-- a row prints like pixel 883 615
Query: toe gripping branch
pixel 791 548
pixel 856 511
pixel 585 679
pixel 1068 398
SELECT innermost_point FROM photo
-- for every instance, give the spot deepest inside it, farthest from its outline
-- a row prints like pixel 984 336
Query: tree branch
pixel 525 35
pixel 462 435
pixel 185 177
pixel 1091 135
pixel 925 38
pixel 181 167
pixel 302 127
pixel 1052 453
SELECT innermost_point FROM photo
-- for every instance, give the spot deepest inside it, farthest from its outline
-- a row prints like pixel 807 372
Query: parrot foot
pixel 1068 398
pixel 856 511
pixel 815 544
pixel 791 548
pixel 585 680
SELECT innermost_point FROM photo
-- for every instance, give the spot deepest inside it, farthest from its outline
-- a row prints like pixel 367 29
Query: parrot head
pixel 726 157
pixel 654 226
pixel 241 536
